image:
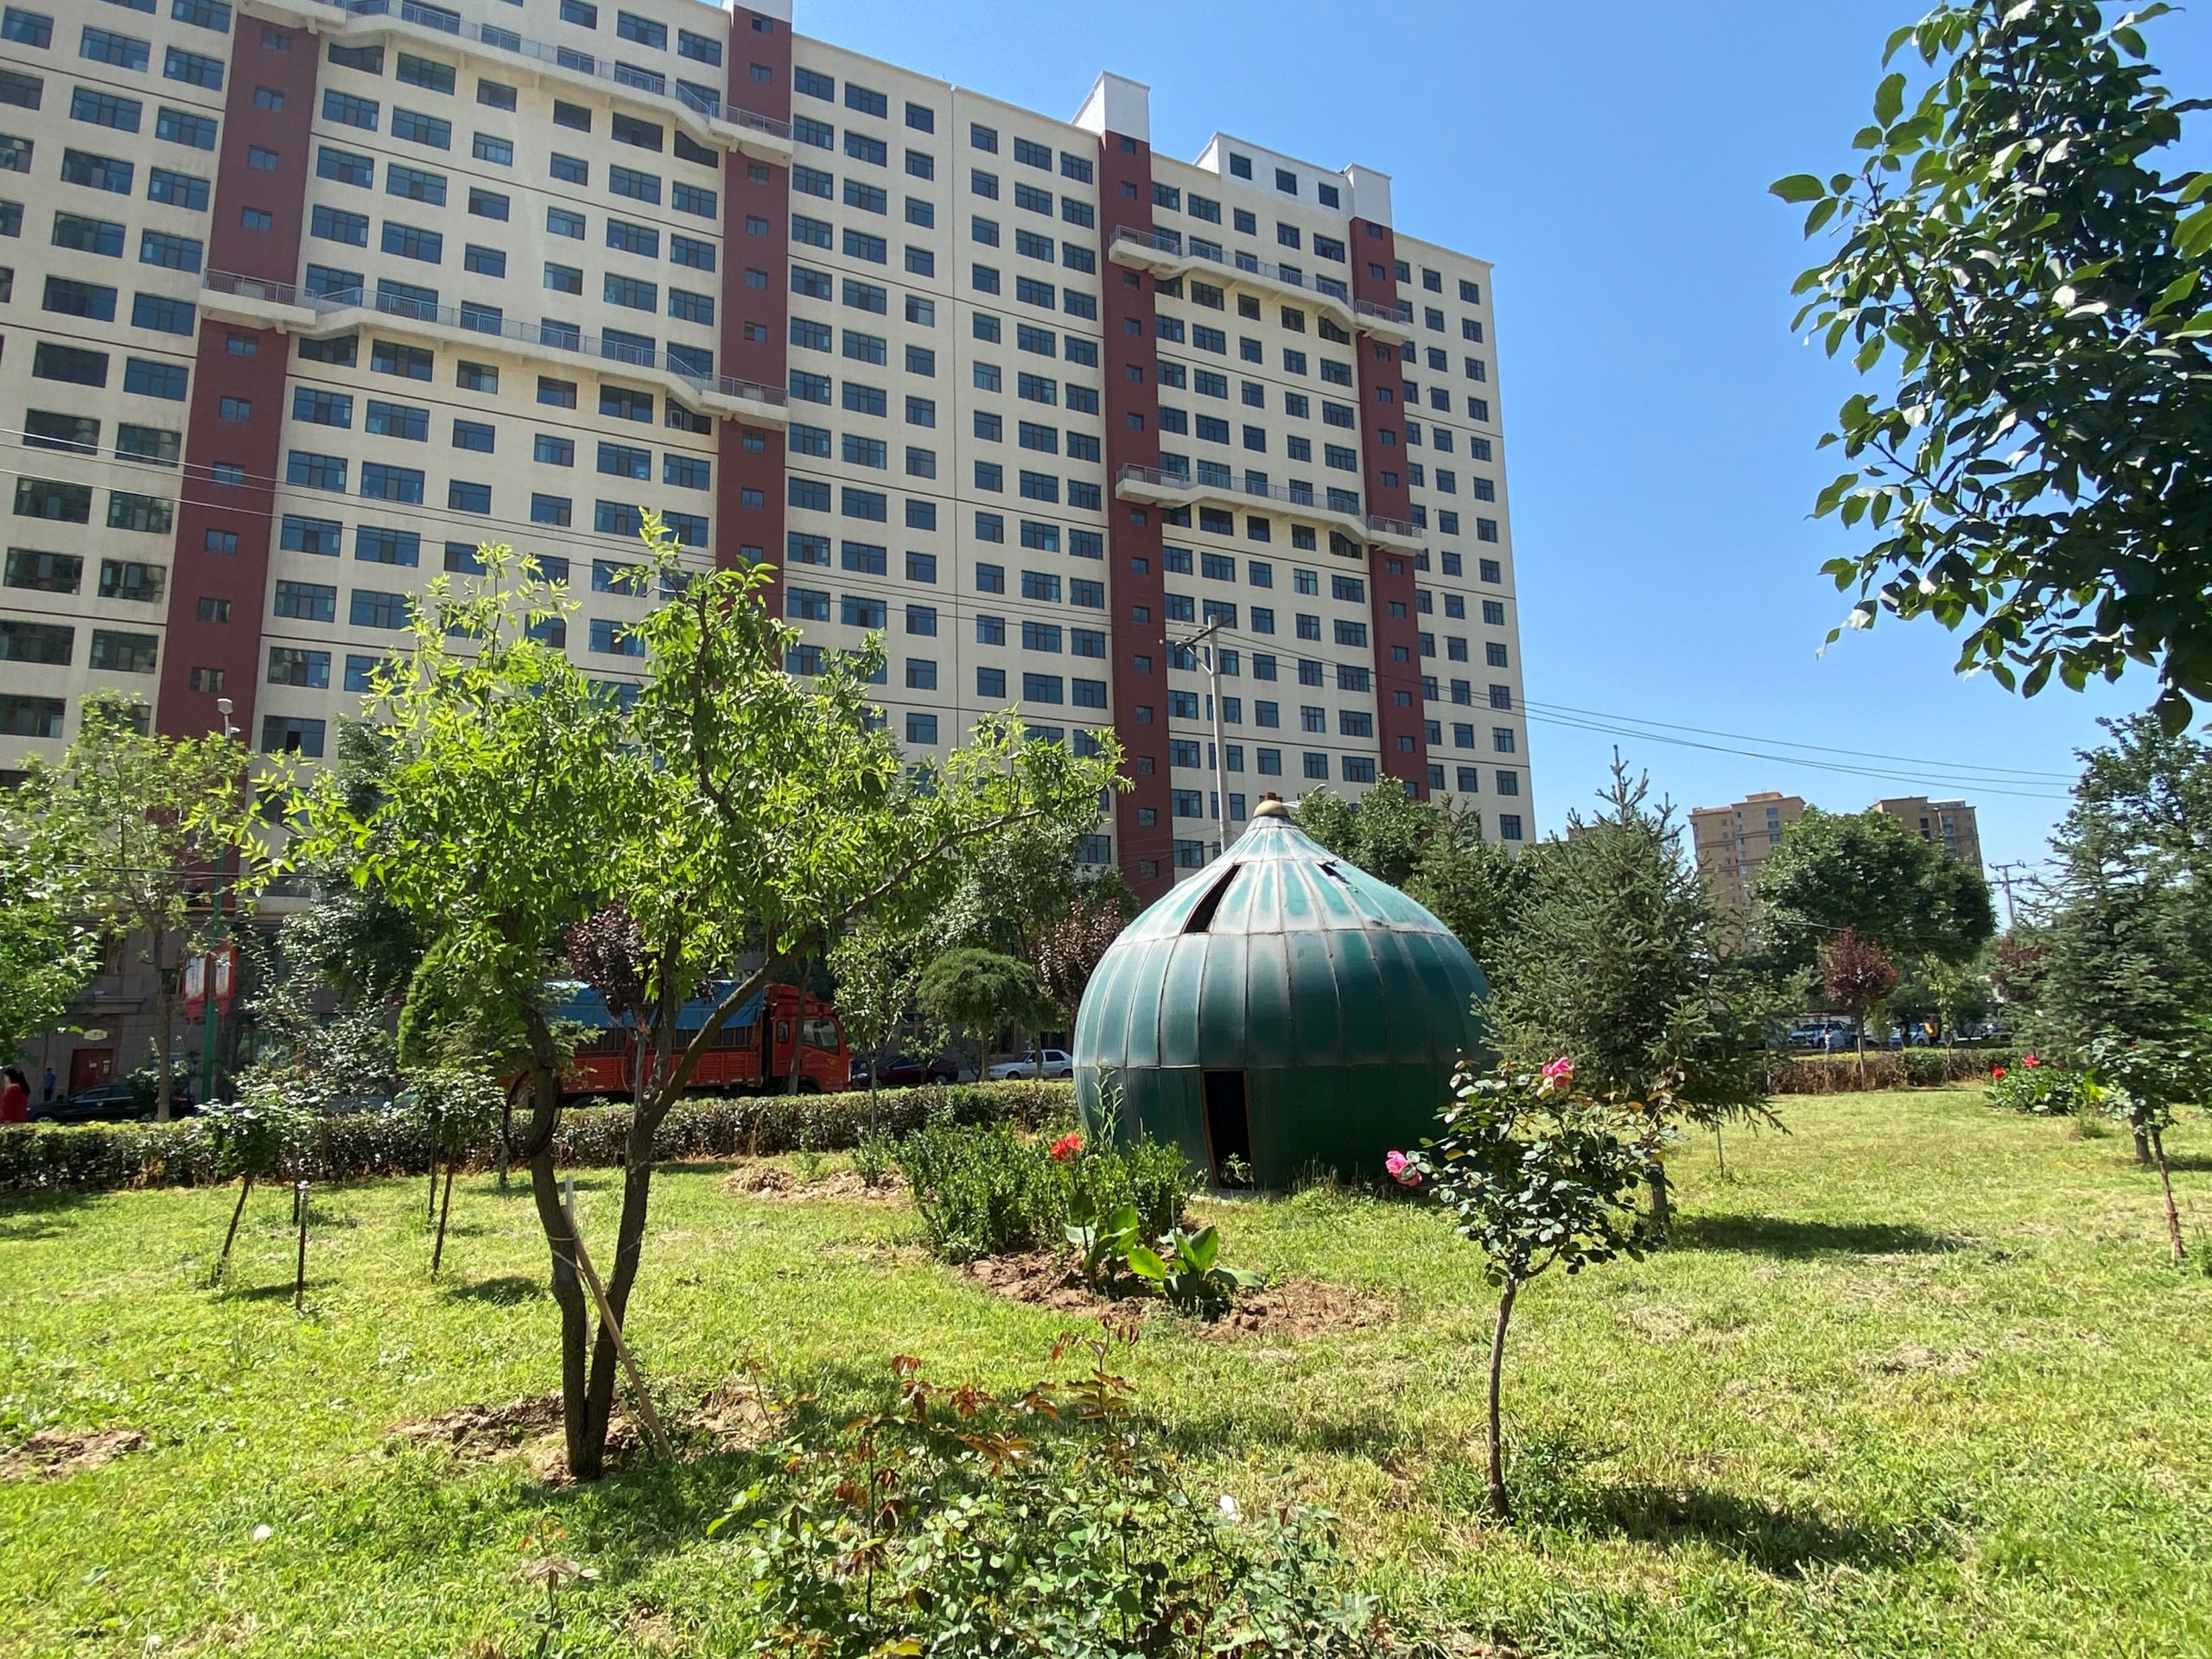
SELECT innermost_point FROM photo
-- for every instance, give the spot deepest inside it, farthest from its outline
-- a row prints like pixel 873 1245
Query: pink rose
pixel 1559 1073
pixel 1401 1169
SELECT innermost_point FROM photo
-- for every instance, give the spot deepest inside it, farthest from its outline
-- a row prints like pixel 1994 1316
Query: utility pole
pixel 2005 880
pixel 1205 636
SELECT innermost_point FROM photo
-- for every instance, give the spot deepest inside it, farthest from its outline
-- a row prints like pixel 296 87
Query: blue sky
pixel 1612 159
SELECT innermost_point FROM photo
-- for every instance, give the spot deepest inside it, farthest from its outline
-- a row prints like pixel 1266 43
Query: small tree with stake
pixel 253 1136
pixel 2140 1084
pixel 1536 1177
pixel 1858 974
pixel 456 1107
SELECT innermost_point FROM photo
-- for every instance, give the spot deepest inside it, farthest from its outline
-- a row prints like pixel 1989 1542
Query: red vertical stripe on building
pixel 755 532
pixel 1135 583
pixel 216 599
pixel 1399 712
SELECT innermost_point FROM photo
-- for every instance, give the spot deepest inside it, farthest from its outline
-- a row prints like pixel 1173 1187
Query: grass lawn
pixel 1915 1379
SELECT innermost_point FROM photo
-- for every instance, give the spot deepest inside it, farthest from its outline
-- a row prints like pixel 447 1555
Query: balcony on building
pixel 1167 256
pixel 762 138
pixel 253 303
pixel 1217 486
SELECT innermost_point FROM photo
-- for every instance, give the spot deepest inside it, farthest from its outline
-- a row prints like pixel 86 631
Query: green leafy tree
pixel 134 823
pixel 984 990
pixel 878 974
pixel 2011 253
pixel 731 808
pixel 48 949
pixel 1536 1176
pixel 1619 960
pixel 1865 871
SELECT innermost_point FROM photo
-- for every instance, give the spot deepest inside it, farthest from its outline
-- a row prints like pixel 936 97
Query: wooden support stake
pixel 653 1429
pixel 300 1272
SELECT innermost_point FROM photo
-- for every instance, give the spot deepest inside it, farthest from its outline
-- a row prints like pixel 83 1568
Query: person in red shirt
pixel 15 1097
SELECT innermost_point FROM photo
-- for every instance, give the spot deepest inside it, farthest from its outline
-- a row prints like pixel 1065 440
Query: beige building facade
pixel 307 300
pixel 1951 825
pixel 1732 842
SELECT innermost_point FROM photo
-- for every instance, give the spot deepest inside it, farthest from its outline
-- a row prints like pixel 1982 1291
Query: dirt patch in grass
pixel 774 1181
pixel 58 1453
pixel 1297 1309
pixel 729 1416
pixel 1290 1308
pixel 478 1432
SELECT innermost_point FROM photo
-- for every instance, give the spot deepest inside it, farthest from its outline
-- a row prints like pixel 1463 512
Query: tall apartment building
pixel 1732 842
pixel 1952 825
pixel 306 300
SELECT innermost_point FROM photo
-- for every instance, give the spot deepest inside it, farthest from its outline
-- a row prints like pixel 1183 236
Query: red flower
pixel 1995 1072
pixel 1067 1146
pixel 2030 1060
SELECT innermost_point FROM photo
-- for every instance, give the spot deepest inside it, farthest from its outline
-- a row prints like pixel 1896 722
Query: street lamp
pixel 223 706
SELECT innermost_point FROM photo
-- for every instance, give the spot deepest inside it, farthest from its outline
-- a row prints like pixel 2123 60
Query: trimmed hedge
pixel 1909 1068
pixel 102 1157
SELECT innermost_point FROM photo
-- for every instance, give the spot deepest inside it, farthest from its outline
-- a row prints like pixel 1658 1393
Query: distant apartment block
pixel 1732 842
pixel 308 299
pixel 1950 825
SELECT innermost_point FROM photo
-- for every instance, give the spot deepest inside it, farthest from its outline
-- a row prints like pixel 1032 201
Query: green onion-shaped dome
pixel 1284 1008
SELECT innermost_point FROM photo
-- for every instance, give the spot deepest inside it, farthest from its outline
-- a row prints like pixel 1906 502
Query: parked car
pixel 108 1102
pixel 904 1070
pixel 1058 1063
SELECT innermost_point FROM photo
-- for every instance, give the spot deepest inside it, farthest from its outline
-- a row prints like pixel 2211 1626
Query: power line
pixel 1961 768
pixel 1615 726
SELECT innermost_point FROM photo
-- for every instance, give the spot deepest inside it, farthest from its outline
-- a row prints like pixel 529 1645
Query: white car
pixel 1058 1063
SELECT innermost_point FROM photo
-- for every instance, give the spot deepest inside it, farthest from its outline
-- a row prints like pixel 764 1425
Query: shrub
pixel 1916 1068
pixel 96 1157
pixel 993 1192
pixel 1044 1523
pixel 2039 1090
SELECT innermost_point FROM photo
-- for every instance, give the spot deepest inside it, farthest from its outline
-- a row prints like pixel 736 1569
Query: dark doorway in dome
pixel 1228 1128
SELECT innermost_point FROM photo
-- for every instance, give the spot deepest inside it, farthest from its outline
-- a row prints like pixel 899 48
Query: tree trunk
pixel 537 1151
pixel 1500 1506
pixel 246 1186
pixel 1862 1052
pixel 2142 1147
pixel 588 1438
pixel 1720 1152
pixel 1663 1206
pixel 430 1206
pixel 2166 1180
pixel 438 1250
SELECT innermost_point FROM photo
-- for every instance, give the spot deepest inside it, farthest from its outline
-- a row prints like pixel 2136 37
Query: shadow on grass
pixel 1793 1239
pixel 503 1291
pixel 28 1216
pixel 1783 1541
